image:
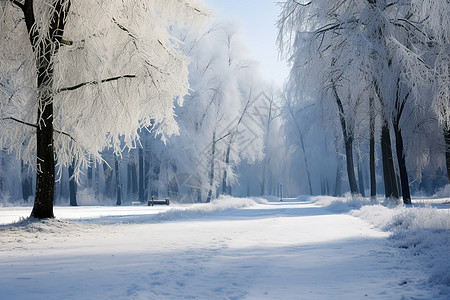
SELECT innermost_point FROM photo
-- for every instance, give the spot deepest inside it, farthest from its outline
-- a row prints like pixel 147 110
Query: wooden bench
pixel 158 202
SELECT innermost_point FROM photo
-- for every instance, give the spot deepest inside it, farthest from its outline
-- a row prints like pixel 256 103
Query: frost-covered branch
pixel 124 28
pixel 222 137
pixel 17 3
pixel 20 121
pixel 35 126
pixel 93 82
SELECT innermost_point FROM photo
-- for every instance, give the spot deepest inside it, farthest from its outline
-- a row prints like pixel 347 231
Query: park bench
pixel 158 202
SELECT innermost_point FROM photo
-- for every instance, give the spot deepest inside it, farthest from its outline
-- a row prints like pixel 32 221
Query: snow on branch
pixel 93 82
pixel 35 126
pixel 17 3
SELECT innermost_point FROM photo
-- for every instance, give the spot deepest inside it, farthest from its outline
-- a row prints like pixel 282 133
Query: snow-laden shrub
pixel 350 202
pixel 6 200
pixel 443 192
pixel 425 233
pixel 422 232
pixel 220 204
pixel 88 197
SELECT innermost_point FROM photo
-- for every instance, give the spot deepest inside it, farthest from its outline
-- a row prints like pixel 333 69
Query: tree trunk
pixel 373 181
pixel 302 144
pixel 322 186
pixel 360 179
pixel 61 186
pixel 96 181
pixel 45 175
pixel 108 174
pixel 2 172
pixel 402 164
pixel 447 149
pixel 141 175
pixel 118 184
pixel 225 188
pixel 89 173
pixel 27 184
pixel 134 177
pixel 45 50
pixel 155 178
pixel 339 175
pixel 350 166
pixel 72 186
pixel 45 164
pixel 263 180
pixel 211 172
pixel 129 179
pixel 390 181
pixel 348 142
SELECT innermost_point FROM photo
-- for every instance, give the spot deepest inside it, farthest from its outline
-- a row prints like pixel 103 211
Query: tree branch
pixel 20 121
pixel 93 82
pixel 222 137
pixel 17 3
pixel 123 28
pixel 302 4
pixel 196 9
pixel 35 126
pixel 64 133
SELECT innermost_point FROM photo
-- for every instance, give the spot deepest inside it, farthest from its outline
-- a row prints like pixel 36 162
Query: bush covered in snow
pixel 443 192
pixel 423 233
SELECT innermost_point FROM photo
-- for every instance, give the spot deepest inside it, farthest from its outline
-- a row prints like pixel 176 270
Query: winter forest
pixel 182 112
pixel 115 103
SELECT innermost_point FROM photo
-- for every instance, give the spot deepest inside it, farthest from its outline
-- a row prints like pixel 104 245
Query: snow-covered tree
pixel 357 51
pixel 78 76
pixel 226 90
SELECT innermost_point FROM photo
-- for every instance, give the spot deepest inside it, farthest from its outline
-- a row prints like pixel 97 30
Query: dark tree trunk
pixel 361 179
pixel 2 168
pixel 402 164
pixel 61 186
pixel 141 175
pixel 322 186
pixel 211 171
pixel 263 180
pixel 339 175
pixel 27 182
pixel 118 184
pixel 403 181
pixel 390 181
pixel 348 142
pixel 96 181
pixel 129 179
pixel 302 144
pixel 108 174
pixel 146 176
pixel 447 149
pixel 350 165
pixel 134 179
pixel 89 173
pixel 72 186
pixel 45 175
pixel 373 181
pixel 45 51
pixel 225 189
pixel 155 177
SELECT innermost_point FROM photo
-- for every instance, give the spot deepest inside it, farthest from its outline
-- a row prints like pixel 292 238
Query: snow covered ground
pixel 305 248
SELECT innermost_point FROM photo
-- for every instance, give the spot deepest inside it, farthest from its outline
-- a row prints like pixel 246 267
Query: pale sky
pixel 257 19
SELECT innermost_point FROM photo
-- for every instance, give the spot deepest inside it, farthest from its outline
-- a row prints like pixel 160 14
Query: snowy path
pixel 278 250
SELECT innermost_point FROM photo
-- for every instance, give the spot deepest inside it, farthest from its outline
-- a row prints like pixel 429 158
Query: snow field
pixel 230 249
